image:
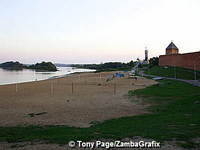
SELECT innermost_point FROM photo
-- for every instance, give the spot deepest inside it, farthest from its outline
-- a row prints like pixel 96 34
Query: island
pixel 11 65
pixel 43 66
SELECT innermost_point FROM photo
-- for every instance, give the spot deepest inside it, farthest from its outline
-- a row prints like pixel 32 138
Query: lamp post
pixel 175 75
pixel 175 72
pixel 195 74
pixel 195 67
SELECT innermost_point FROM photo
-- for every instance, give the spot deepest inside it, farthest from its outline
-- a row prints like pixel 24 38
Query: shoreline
pixel 50 78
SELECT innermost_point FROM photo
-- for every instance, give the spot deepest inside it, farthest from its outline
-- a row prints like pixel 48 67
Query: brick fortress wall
pixel 187 60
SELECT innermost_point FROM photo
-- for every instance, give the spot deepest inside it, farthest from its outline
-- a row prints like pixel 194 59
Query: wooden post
pixel 72 87
pixel 51 88
pixel 16 88
pixel 100 78
pixel 114 88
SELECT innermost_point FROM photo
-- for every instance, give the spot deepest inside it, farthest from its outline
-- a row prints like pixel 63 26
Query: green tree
pixel 154 61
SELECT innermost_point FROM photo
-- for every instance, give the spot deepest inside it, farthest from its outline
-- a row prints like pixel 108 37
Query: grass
pixel 181 73
pixel 175 115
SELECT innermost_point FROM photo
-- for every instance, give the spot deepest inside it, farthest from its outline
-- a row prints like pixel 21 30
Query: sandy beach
pixel 75 100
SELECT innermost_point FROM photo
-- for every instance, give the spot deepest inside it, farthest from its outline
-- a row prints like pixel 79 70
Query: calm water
pixel 26 75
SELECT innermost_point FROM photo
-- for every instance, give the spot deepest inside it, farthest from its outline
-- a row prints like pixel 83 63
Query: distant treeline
pixel 43 66
pixel 12 65
pixel 49 66
pixel 109 66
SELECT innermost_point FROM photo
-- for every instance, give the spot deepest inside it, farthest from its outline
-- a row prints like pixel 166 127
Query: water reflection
pixel 27 75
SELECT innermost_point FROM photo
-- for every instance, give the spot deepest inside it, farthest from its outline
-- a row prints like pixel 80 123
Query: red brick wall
pixel 187 60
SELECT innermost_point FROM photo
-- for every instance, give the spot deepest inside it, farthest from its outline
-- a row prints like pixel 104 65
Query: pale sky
pixel 95 31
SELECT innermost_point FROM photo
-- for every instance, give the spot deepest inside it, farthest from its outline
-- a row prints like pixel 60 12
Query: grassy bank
pixel 177 72
pixel 175 115
pixel 112 69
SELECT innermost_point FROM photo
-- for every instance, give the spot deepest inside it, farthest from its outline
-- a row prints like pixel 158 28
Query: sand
pixel 75 100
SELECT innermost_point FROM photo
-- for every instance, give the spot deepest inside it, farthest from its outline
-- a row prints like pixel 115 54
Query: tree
pixel 44 66
pixel 131 63
pixel 154 61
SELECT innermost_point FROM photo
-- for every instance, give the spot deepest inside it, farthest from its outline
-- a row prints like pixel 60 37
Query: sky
pixel 95 31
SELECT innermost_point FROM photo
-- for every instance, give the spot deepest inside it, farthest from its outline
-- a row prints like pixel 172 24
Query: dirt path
pixel 193 82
